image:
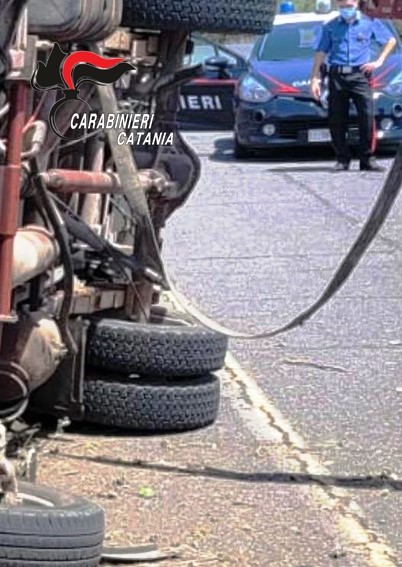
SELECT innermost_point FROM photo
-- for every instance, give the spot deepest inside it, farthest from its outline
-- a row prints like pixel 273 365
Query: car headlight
pixel 250 90
pixel 394 87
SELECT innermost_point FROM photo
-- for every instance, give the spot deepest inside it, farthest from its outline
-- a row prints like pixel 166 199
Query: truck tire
pixel 155 349
pixel 247 16
pixel 50 527
pixel 152 405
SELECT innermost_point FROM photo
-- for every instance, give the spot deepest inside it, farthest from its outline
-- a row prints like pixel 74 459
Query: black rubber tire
pixel 152 405
pixel 68 531
pixel 154 349
pixel 251 16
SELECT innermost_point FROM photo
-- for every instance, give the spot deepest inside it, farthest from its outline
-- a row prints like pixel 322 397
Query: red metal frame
pixel 10 175
pixel 74 181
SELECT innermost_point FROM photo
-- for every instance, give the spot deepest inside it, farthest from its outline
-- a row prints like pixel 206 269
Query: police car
pixel 273 105
pixel 207 102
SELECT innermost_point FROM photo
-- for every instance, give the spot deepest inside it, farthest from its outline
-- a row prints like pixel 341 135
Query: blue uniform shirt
pixel 349 44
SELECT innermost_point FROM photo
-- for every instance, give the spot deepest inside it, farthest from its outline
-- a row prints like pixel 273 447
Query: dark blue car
pixel 273 105
pixel 206 103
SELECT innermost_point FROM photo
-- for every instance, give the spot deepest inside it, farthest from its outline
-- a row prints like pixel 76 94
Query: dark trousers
pixel 342 88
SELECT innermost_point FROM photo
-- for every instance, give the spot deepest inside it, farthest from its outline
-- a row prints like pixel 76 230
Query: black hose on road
pixel 376 219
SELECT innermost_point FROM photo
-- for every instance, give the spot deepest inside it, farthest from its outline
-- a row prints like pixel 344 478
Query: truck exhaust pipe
pixel 35 251
pixel 32 347
pixel 31 351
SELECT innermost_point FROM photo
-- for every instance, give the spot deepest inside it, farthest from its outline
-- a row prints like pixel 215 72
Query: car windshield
pixel 296 41
pixel 290 41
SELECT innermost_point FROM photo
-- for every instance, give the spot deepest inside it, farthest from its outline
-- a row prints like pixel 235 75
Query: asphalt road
pixel 303 466
pixel 255 244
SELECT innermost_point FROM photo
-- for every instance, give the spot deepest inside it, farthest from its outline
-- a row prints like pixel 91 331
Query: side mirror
pixel 218 62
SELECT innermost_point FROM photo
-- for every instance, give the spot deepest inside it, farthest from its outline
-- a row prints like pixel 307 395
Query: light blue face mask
pixel 348 13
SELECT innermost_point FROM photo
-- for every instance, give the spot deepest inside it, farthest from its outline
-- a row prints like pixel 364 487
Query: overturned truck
pixel 81 210
pixel 83 330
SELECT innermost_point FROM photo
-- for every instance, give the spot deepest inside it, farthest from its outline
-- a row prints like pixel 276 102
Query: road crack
pixel 312 364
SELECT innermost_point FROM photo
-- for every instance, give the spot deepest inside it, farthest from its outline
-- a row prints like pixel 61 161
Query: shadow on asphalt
pixel 47 428
pixel 378 482
pixel 86 428
pixel 223 152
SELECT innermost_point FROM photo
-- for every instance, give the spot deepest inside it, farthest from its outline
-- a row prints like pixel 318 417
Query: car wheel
pixel 48 527
pixel 151 404
pixel 175 347
pixel 252 16
pixel 240 152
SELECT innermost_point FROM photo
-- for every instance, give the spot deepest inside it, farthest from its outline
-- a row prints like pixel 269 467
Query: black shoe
pixel 341 166
pixel 371 165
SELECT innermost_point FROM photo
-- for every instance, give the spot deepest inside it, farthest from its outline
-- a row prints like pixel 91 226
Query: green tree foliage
pixel 303 5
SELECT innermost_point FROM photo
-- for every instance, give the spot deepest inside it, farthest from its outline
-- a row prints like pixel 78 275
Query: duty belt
pixel 345 69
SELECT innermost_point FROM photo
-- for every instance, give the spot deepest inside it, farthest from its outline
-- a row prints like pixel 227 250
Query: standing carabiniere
pixel 345 42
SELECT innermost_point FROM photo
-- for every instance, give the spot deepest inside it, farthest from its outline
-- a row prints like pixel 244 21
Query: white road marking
pixel 267 424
